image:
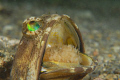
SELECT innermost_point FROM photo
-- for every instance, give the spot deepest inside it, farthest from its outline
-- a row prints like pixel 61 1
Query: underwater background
pixel 98 21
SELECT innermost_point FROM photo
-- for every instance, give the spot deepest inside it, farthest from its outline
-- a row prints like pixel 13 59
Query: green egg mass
pixel 33 26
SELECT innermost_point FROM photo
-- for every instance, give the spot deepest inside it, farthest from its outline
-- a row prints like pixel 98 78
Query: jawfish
pixel 51 48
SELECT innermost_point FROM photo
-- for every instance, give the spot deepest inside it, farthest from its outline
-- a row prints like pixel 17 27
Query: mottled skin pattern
pixel 28 58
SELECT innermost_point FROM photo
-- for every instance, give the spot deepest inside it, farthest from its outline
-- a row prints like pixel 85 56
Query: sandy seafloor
pixel 98 22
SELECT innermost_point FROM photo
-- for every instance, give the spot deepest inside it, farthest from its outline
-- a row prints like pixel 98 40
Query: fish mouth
pixel 62 52
pixel 63 49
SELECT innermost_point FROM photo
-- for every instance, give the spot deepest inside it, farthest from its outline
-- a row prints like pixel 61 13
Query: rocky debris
pixel 7 52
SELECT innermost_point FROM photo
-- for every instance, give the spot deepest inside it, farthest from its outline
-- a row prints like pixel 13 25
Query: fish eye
pixel 33 26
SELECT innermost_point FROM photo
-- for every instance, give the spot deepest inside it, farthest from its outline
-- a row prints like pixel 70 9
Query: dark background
pixel 104 8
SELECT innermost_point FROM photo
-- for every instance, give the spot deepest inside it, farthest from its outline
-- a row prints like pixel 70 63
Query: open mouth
pixel 63 51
